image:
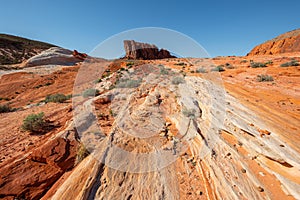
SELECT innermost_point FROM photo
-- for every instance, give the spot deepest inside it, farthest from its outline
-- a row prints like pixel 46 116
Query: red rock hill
pixel 285 43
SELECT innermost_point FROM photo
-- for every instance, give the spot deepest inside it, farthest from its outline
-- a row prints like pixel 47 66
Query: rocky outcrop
pixel 55 56
pixel 143 51
pixel 40 169
pixel 81 56
pixel 187 141
pixel 285 43
pixel 14 50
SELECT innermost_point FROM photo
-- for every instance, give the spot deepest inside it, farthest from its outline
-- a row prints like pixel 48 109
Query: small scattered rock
pixel 260 189
pixel 168 124
pixel 243 170
pixel 261 173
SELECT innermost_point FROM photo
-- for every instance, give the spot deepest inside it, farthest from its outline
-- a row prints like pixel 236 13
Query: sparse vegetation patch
pixel 128 83
pixel 201 70
pixel 57 98
pixel 34 122
pixel 218 69
pixel 290 64
pixel 90 93
pixel 5 108
pixel 264 78
pixel 257 65
pixel 177 80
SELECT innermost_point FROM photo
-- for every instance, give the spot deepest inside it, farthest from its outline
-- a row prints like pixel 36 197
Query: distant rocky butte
pixel 285 43
pixel 143 51
pixel 14 50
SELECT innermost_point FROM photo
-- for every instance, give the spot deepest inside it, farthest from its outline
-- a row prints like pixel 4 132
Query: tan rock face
pixel 143 51
pixel 33 174
pixel 285 43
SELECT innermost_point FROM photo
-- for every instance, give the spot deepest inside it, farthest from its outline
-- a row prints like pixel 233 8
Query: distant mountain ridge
pixel 285 43
pixel 14 49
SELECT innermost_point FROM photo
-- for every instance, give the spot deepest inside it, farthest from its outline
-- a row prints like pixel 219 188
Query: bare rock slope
pixel 286 43
pixel 14 50
pixel 156 129
pixel 186 139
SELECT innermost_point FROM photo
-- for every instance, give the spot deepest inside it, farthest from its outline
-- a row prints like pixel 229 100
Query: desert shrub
pixel 90 92
pixel 128 83
pixel 270 62
pixel 244 61
pixel 218 69
pixel 180 64
pixel 257 65
pixel 201 70
pixel 5 108
pixel 264 78
pixel 190 113
pixel 99 80
pixel 290 64
pixel 229 66
pixel 48 83
pixel 163 70
pixel 56 98
pixel 177 80
pixel 129 64
pixel 82 152
pixel 34 122
pixel 105 74
pixel 38 86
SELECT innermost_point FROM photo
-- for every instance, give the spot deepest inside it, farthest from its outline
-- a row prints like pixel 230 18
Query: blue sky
pixel 229 27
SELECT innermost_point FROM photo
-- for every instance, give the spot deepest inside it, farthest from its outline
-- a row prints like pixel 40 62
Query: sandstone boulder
pixel 55 56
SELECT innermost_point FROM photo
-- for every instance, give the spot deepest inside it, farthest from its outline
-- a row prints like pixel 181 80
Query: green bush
pixel 129 64
pixel 56 98
pixel 201 70
pixel 163 70
pixel 128 83
pixel 5 108
pixel 264 78
pixel 229 66
pixel 290 64
pixel 270 62
pixel 82 152
pixel 180 64
pixel 90 93
pixel 34 122
pixel 218 69
pixel 189 113
pixel 177 80
pixel 257 65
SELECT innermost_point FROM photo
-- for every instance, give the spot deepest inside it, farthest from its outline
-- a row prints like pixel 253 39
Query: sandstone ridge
pixel 286 43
